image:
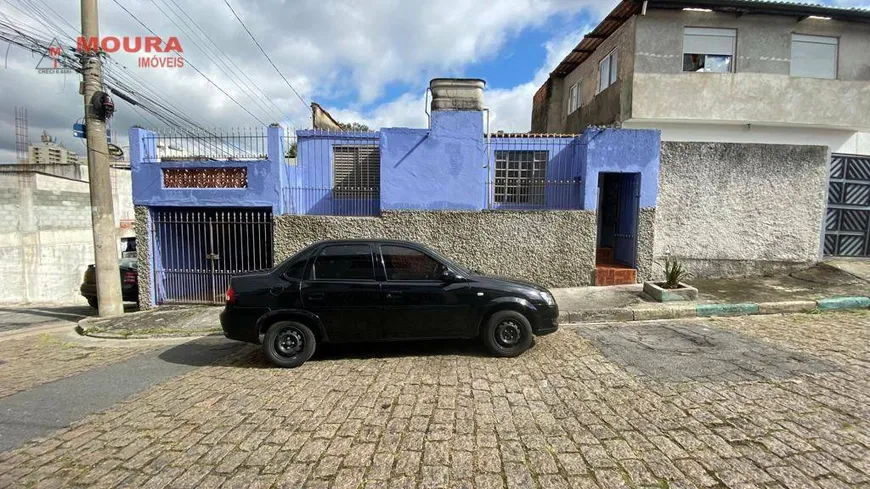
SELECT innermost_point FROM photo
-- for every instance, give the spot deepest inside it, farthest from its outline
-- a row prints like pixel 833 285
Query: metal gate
pixel 847 224
pixel 196 251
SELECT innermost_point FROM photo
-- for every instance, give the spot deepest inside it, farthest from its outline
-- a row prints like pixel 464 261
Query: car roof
pixel 368 241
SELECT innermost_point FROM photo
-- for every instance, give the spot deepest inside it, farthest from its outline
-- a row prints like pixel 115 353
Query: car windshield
pixel 129 263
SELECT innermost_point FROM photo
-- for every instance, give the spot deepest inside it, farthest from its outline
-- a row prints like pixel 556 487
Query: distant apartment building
pixel 732 71
pixel 50 152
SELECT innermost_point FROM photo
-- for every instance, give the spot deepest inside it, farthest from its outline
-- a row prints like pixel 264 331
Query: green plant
pixel 674 273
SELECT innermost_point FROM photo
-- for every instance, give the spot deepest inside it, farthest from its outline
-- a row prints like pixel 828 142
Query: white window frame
pixel 815 39
pixel 710 32
pixel 574 97
pixel 612 70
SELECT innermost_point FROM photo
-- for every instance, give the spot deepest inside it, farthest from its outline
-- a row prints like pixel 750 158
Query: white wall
pixel 46 241
pixel 45 238
pixel 846 142
pixel 722 209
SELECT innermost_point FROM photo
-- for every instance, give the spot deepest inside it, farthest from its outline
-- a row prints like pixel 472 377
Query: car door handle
pixel 394 294
pixel 316 296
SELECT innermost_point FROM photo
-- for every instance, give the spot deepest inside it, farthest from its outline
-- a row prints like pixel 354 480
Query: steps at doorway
pixel 609 272
pixel 614 274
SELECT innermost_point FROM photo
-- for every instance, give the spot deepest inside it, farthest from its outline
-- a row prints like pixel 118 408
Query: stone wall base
pixel 710 268
pixel 551 248
pixel 143 254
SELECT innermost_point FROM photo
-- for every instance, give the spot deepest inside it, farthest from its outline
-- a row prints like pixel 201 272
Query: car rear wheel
pixel 288 344
pixel 507 334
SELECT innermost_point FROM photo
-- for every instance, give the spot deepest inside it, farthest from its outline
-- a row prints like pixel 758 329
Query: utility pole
pixel 102 214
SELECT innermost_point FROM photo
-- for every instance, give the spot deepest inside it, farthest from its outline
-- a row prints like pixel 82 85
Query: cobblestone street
pixel 38 359
pixel 788 406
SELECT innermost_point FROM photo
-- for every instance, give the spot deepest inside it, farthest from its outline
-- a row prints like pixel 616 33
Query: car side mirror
pixel 448 276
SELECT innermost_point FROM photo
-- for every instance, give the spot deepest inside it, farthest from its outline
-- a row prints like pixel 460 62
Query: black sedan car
pixel 128 268
pixel 375 290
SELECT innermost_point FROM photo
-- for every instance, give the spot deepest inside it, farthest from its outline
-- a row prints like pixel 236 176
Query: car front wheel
pixel 288 344
pixel 507 334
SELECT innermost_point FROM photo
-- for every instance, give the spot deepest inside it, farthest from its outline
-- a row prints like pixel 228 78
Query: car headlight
pixel 548 297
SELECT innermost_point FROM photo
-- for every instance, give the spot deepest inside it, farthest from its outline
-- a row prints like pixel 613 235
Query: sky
pixel 367 62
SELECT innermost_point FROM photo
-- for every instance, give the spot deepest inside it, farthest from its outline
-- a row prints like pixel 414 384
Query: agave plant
pixel 674 273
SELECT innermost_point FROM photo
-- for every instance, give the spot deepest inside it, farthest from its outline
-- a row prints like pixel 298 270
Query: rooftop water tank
pixel 457 93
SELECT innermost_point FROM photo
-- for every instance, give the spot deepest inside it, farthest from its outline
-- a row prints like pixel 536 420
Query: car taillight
pixel 130 277
pixel 230 296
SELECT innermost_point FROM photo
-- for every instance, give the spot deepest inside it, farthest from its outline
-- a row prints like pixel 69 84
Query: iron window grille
pixel 520 177
pixel 357 172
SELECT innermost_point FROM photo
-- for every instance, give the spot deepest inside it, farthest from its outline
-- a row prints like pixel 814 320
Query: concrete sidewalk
pixel 165 321
pixel 832 285
pixel 835 284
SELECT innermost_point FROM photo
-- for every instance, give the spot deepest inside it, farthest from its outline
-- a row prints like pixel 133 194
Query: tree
pixel 354 126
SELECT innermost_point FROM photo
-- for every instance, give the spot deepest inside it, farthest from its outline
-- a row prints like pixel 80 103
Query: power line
pixel 62 19
pixel 112 79
pixel 188 63
pixel 227 72
pixel 116 85
pixel 264 54
pixel 115 82
pixel 218 52
pixel 43 17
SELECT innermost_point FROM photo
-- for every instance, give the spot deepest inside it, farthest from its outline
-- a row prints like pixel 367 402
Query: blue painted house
pixel 228 205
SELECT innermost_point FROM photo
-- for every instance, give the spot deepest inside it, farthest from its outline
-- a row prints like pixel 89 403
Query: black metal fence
pixel 234 144
pixel 197 251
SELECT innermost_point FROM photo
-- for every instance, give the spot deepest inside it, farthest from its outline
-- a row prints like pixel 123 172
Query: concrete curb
pixel 709 310
pixel 85 328
pixel 107 335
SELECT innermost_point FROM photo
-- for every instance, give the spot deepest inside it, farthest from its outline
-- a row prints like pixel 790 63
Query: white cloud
pixel 326 48
pixel 510 109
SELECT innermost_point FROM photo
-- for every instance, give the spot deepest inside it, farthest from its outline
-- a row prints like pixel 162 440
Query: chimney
pixel 457 93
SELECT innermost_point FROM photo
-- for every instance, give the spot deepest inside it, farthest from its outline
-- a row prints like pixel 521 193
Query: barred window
pixel 520 177
pixel 357 172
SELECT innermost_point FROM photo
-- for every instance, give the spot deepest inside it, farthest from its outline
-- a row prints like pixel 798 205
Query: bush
pixel 674 273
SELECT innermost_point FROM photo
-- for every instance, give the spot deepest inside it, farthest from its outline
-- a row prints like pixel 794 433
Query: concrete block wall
pixel 45 238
